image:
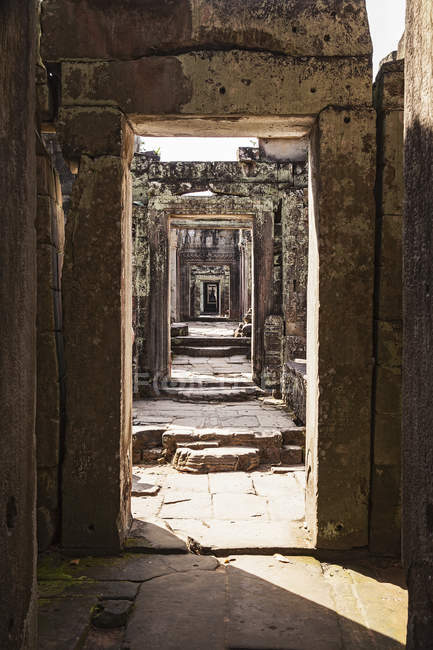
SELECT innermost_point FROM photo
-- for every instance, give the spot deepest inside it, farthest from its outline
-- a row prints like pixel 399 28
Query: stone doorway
pixel 210 294
pixel 263 80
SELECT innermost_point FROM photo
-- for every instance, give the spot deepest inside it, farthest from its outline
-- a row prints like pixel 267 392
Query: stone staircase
pixel 199 451
pixel 215 346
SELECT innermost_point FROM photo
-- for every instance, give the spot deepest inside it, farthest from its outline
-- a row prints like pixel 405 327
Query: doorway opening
pixel 218 452
pixel 211 278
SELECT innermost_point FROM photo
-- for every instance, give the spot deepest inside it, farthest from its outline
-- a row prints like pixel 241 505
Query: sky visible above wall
pixel 386 26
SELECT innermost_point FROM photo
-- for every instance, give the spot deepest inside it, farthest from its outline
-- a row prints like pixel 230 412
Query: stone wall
pixel 417 324
pixel 50 364
pixel 17 325
pixel 385 516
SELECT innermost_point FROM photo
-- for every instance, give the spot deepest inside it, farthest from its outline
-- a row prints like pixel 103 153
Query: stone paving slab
pixel 179 612
pixel 239 602
pixel 242 508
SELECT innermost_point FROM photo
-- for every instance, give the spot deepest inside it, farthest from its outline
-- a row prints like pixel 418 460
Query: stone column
pixel 173 275
pixel 385 517
pixel 18 593
pixel 96 477
pixel 417 324
pixel 340 317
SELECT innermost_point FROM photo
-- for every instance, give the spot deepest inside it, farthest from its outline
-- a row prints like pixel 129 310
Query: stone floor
pixel 182 601
pixel 225 512
pixel 229 511
pixel 201 369
pixel 266 414
pixel 221 328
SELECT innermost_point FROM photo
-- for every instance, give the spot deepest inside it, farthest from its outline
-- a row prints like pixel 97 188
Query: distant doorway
pixel 211 298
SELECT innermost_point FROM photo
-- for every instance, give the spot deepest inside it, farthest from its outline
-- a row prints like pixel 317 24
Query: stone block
pixel 391 161
pixel 111 613
pixel 48 412
pixel 389 294
pixel 292 455
pixel 147 437
pixel 94 132
pixel 47 281
pixel 179 329
pixel 388 390
pixel 223 459
pixel 48 488
pixel 389 343
pixel 45 176
pixel 47 524
pixel 170 85
pixel 389 86
pixel 46 214
pixel 385 518
pixel 105 32
pixel 387 439
pixel 294 436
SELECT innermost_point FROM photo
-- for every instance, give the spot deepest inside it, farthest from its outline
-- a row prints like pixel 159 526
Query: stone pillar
pixel 417 324
pixel 96 481
pixel 174 314
pixel 340 316
pixel 385 517
pixel 18 591
pixel 50 231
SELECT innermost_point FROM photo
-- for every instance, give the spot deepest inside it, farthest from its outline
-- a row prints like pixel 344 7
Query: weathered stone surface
pixel 295 387
pixel 340 320
pixel 93 131
pixel 150 538
pixel 102 31
pixel 17 323
pixel 204 593
pixel 179 329
pixel 146 437
pixel 99 412
pixel 263 440
pixel 417 317
pixel 292 455
pixel 294 436
pixel 223 459
pixel 111 613
pixel 178 84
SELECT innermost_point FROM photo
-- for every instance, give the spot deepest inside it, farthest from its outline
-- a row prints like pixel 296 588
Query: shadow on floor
pixel 188 602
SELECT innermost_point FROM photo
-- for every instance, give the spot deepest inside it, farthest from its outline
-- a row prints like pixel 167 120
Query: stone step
pixel 212 395
pixel 294 436
pixel 215 351
pixel 210 341
pixel 215 382
pixel 292 455
pixel 148 456
pixel 269 443
pixel 221 459
pixel 179 329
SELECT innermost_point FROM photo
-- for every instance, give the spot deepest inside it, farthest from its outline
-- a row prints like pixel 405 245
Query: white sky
pixel 386 25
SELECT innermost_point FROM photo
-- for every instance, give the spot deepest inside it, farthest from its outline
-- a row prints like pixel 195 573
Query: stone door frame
pixel 221 212
pixel 322 91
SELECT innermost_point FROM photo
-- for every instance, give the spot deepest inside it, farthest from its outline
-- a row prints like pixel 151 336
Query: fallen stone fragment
pixel 221 459
pixel 111 613
pixel 142 489
pixel 281 469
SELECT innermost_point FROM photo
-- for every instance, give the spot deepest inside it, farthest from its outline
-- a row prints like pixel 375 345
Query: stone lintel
pixel 220 85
